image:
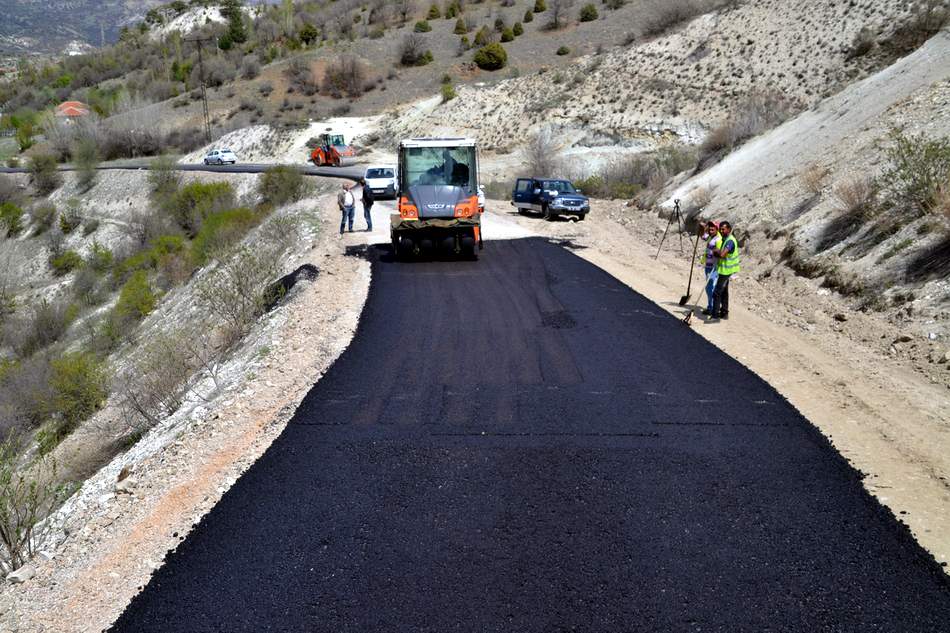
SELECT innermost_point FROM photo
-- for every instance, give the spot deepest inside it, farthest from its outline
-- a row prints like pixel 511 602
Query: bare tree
pixel 542 153
pixel 28 493
pixel 558 11
pixel 412 49
pixel 405 9
pixel 344 75
pixel 300 74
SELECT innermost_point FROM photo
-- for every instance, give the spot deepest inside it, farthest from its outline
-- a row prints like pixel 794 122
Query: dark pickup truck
pixel 550 197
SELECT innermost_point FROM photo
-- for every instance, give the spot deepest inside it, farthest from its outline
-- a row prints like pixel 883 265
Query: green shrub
pixel 917 175
pixel 491 57
pixel 190 204
pixel 79 384
pixel 159 249
pixel 528 16
pixel 453 9
pixel 518 29
pixel 43 169
pixel 219 231
pixel 65 263
pixel 540 6
pixel 588 13
pixel 464 44
pixel 460 27
pixel 592 185
pixel 563 50
pixel 28 493
pixel 483 37
pixel 434 13
pixel 99 259
pixel 507 35
pixel 136 299
pixel 163 178
pixel 309 34
pixel 446 78
pixel 422 26
pixel 70 218
pixel 10 218
pixel 281 185
pixel 448 92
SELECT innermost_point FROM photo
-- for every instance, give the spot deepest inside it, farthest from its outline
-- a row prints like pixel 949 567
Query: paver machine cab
pixel 437 198
pixel 333 151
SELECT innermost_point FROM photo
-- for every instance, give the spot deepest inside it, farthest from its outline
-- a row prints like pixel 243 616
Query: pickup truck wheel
pixel 580 218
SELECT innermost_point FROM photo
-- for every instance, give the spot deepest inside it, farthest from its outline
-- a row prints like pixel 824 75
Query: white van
pixel 381 180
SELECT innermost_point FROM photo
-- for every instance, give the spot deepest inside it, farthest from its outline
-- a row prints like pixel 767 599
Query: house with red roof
pixel 71 110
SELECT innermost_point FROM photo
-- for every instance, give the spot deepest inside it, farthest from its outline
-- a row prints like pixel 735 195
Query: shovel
pixel 692 265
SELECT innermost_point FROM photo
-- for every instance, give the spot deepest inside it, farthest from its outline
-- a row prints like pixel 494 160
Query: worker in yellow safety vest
pixel 726 267
pixel 713 241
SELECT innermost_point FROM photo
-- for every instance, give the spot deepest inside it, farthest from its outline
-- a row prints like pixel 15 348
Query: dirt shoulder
pixel 863 381
pixel 117 540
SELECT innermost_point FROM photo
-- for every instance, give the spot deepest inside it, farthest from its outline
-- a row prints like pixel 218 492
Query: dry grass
pixel 813 178
pixel 855 195
pixel 758 113
pixel 942 202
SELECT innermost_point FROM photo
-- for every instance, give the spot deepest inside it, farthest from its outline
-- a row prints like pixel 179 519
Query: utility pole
pixel 201 75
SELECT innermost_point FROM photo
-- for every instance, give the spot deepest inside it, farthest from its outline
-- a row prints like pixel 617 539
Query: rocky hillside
pixel 35 26
pixel 693 78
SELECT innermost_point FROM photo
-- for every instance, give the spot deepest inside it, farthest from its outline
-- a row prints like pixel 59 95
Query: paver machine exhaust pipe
pixel 437 199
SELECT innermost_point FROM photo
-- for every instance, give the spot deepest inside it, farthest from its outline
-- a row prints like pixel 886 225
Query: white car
pixel 220 157
pixel 381 180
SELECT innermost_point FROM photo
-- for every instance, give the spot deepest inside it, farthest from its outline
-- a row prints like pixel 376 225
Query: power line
pixel 201 76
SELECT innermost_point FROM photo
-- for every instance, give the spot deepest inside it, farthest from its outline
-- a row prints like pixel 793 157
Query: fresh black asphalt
pixel 525 444
pixel 348 173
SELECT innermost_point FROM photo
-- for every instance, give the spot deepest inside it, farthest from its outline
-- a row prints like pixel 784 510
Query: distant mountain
pixel 52 26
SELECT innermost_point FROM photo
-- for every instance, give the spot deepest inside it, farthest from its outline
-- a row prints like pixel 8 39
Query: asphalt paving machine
pixel 437 199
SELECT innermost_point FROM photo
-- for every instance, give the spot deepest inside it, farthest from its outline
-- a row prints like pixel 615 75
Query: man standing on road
pixel 368 200
pixel 347 204
pixel 713 244
pixel 726 267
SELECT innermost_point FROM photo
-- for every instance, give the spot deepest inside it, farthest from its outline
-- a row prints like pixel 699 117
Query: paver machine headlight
pixel 438 211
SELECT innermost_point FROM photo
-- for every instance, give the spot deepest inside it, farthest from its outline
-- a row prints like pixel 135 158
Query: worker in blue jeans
pixel 713 241
pixel 727 266
pixel 347 203
pixel 367 197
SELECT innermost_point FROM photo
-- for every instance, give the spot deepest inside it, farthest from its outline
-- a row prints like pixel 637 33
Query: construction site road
pixel 525 444
pixel 349 173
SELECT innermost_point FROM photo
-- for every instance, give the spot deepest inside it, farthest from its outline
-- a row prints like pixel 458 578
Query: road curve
pixel 349 173
pixel 525 444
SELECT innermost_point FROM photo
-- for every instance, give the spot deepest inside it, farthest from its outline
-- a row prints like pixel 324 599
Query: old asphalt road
pixel 350 173
pixel 524 444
